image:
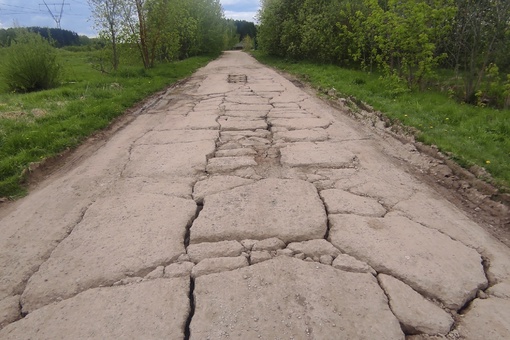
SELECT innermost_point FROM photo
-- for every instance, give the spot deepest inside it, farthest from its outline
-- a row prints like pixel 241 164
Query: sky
pixel 76 13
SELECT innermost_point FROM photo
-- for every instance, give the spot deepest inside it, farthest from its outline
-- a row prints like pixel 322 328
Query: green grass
pixel 471 135
pixel 39 125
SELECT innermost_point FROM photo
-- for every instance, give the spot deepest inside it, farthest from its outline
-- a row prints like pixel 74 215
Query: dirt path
pixel 239 206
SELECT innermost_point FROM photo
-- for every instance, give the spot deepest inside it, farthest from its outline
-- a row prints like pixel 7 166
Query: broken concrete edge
pixel 162 272
pixel 482 184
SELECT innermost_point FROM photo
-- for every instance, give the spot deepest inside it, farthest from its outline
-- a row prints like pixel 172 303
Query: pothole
pixel 237 78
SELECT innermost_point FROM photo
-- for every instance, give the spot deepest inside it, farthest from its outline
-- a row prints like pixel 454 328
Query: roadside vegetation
pixel 57 88
pixel 441 67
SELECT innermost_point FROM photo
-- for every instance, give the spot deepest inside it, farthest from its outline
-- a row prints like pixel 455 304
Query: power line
pixel 57 16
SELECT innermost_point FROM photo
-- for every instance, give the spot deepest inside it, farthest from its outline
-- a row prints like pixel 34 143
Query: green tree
pixel 108 17
pixel 481 31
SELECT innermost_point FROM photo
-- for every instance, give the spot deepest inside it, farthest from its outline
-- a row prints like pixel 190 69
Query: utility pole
pixel 56 15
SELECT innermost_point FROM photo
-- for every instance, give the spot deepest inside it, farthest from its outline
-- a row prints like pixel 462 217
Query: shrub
pixel 30 64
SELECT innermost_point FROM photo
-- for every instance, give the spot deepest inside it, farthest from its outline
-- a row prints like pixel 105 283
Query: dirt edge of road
pixel 469 189
pixel 37 173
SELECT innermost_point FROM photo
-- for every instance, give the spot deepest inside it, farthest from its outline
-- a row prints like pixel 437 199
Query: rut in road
pixel 241 206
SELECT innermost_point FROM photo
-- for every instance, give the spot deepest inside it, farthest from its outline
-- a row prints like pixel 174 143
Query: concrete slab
pixel 217 265
pixel 246 107
pixel 181 159
pixel 118 237
pixel 300 123
pixel 202 251
pixel 236 152
pixel 228 164
pixel 438 214
pixel 486 319
pixel 239 124
pixel 290 210
pixel 416 314
pixel 177 136
pixel 293 300
pixel 294 114
pixel 318 155
pixel 245 114
pixel 149 310
pixel 428 261
pixel 10 310
pixel 243 99
pixel 206 122
pixel 343 202
pixel 216 184
pixel 317 135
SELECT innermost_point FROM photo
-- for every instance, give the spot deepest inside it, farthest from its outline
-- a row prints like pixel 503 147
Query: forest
pixel 163 29
pixel 409 41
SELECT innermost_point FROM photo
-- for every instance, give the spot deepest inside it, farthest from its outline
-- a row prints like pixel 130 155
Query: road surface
pixel 240 206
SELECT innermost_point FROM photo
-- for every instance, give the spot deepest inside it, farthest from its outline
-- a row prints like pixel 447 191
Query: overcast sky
pixel 76 13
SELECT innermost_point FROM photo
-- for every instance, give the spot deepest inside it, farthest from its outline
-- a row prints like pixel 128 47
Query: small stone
pixel 309 259
pixel 482 295
pixel 128 281
pixel 500 290
pixel 269 244
pixel 259 256
pixel 350 264
pixel 201 251
pixel 184 258
pixel 326 259
pixel 300 256
pixel 180 269
pixel 156 273
pixel 248 244
pixel 314 248
pixel 284 252
pixel 218 265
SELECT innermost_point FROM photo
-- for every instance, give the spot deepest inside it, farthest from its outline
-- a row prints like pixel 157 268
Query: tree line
pixel 59 37
pixel 163 29
pixel 407 40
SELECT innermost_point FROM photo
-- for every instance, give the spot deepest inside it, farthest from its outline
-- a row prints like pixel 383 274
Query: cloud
pixel 76 15
pixel 247 16
pixel 245 9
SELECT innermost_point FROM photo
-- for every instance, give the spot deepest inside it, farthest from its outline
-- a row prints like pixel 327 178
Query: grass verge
pixel 470 135
pixel 39 125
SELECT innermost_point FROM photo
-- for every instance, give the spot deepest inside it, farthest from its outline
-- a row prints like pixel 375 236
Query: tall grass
pixel 38 125
pixel 471 135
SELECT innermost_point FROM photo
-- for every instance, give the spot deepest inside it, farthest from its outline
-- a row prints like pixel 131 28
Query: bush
pixel 30 64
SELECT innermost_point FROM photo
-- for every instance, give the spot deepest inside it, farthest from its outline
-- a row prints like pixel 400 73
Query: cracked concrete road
pixel 239 206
